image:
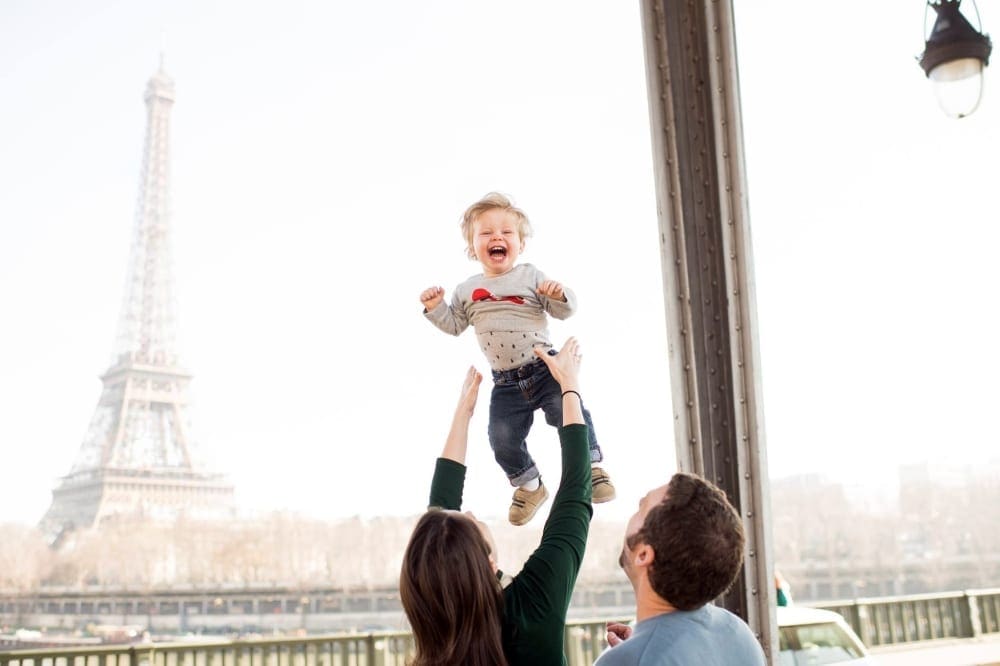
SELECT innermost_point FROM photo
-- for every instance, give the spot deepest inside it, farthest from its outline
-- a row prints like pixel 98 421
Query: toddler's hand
pixel 431 297
pixel 551 289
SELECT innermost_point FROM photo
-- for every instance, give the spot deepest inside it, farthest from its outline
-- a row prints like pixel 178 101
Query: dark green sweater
pixel 536 601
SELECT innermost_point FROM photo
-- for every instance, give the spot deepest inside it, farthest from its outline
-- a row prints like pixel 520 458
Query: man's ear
pixel 643 555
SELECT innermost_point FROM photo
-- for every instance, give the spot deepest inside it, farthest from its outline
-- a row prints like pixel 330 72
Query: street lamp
pixel 954 56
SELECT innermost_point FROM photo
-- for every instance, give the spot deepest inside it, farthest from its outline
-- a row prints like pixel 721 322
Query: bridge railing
pixel 583 643
pixel 879 621
pixel 374 649
pixel 921 617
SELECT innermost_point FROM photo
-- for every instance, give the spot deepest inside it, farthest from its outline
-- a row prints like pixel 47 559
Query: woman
pixel 450 586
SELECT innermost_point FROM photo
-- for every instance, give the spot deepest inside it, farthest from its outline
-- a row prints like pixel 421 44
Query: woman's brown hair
pixel 451 594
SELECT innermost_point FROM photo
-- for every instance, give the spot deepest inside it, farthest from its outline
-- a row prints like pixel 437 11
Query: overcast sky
pixel 322 154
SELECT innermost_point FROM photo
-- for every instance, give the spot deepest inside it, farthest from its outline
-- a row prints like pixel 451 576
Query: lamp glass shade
pixel 956 70
pixel 958 86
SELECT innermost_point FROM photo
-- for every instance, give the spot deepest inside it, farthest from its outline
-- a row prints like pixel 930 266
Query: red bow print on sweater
pixel 481 294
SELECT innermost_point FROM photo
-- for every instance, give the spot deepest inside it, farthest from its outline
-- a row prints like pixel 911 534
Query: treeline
pixel 273 549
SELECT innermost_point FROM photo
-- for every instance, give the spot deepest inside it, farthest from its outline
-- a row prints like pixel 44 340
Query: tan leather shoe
pixel 604 490
pixel 525 503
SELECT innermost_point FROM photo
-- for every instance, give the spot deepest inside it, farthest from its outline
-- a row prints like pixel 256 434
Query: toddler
pixel 507 304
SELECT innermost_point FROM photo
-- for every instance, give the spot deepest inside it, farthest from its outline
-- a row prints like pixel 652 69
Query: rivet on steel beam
pixel 743 400
pixel 739 364
pixel 745 438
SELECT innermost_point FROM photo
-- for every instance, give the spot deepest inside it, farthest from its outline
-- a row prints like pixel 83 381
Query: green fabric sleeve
pixel 447 485
pixel 536 601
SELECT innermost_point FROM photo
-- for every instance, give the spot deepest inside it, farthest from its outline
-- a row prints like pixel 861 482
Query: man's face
pixel 648 501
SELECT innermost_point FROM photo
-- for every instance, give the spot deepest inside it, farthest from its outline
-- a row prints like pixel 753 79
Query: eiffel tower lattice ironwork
pixel 138 458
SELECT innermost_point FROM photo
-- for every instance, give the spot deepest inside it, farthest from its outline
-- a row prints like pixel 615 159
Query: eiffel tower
pixel 137 459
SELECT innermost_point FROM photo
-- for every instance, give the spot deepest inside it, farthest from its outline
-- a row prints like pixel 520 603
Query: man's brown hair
pixel 698 541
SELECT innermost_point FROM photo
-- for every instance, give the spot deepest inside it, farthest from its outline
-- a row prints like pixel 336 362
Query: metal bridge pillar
pixel 705 247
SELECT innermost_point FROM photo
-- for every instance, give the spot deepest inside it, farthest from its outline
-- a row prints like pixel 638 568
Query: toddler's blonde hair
pixel 492 201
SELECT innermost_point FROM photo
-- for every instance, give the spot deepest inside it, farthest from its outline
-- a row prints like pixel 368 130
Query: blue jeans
pixel 516 395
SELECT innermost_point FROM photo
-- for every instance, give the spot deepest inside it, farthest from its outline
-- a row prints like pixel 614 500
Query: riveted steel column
pixel 697 140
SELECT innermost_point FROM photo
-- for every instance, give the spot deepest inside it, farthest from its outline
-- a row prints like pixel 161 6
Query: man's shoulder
pixel 708 635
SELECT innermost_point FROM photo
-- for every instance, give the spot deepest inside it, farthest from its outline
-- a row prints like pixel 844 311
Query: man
pixel 683 548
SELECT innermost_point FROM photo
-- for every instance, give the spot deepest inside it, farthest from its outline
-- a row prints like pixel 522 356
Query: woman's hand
pixel 564 366
pixel 469 394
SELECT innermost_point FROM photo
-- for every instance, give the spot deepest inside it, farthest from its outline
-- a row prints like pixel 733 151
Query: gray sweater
pixel 506 312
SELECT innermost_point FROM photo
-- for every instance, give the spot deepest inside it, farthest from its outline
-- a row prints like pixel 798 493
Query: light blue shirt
pixel 709 636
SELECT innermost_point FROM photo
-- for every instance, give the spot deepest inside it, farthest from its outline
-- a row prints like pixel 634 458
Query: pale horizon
pixel 321 157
